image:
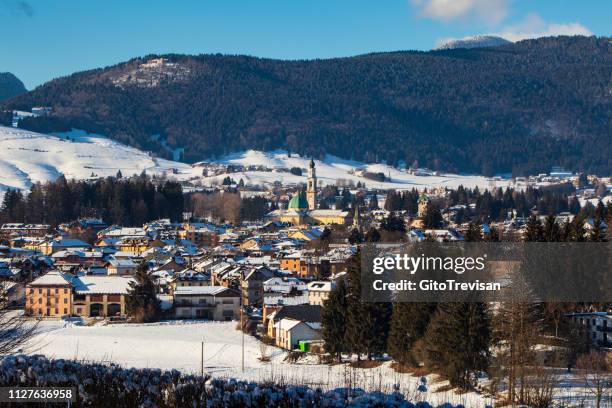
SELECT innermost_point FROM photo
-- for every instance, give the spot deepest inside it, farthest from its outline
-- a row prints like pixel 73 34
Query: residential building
pixel 318 292
pixel 100 296
pixel 206 302
pixel 49 295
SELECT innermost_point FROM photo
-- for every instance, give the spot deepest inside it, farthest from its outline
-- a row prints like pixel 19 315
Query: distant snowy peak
pixel 477 41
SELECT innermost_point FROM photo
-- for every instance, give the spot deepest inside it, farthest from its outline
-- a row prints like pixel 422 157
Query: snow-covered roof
pixel 201 290
pixel 116 285
pixel 52 278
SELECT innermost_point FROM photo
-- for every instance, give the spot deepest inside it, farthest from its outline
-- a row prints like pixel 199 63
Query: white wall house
pixel 596 325
pixel 206 302
pixel 290 332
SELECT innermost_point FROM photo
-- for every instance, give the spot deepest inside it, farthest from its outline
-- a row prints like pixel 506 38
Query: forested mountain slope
pixel 521 107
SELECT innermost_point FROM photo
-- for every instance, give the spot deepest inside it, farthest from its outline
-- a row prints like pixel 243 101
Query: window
pixel 65 311
pixel 39 300
pixel 65 300
pixel 66 291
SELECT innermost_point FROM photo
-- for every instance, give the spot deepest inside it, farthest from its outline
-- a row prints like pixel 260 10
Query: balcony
pixel 187 303
pixel 605 329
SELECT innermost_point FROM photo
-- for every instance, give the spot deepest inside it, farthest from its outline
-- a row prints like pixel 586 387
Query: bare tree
pixel 596 369
pixel 15 330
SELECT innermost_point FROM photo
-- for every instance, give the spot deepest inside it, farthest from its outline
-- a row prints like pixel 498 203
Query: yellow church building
pixel 302 207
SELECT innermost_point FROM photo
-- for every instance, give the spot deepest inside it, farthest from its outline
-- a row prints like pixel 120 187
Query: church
pixel 302 208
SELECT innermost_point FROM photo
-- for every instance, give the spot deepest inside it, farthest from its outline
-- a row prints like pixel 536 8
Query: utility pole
pixel 242 330
pixel 202 361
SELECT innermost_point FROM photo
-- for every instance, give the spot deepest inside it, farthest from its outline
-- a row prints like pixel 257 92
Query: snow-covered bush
pixel 100 385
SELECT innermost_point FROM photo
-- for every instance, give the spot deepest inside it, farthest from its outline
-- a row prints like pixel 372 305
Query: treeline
pixel 229 207
pixel 522 107
pixel 493 205
pixel 128 202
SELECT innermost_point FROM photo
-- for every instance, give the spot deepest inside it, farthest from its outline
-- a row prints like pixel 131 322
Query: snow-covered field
pixel 177 345
pixel 28 157
pixel 333 168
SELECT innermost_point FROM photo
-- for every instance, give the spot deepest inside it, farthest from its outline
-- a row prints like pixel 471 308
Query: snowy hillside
pixel 28 157
pixel 333 168
pixel 476 41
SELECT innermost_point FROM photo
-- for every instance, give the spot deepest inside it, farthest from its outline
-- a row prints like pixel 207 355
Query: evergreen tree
pixel 433 217
pixel 373 205
pixel 333 320
pixel 368 323
pixel 552 231
pixel 394 223
pixel 533 231
pixel 355 237
pixel 141 301
pixel 473 233
pixel 408 324
pixel 457 341
pixel 372 235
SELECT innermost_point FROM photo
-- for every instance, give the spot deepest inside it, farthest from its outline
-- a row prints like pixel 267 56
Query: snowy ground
pixel 177 345
pixel 333 168
pixel 28 157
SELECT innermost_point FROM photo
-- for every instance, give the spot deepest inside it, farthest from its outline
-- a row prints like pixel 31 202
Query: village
pixel 273 275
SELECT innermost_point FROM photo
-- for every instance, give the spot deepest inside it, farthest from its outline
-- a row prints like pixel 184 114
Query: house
pixel 309 313
pixel 55 245
pixel 18 229
pixel 206 302
pixel 75 258
pixel 137 244
pixel 49 295
pixel 251 285
pixel 294 324
pixel 291 332
pixel 318 292
pixel 597 327
pixel 199 235
pixel 189 277
pixel 100 296
pixel 121 267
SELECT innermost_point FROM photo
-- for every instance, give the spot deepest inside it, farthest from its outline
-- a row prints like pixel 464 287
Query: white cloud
pixel 534 26
pixel 490 11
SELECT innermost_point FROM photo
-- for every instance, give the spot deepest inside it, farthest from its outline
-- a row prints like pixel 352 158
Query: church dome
pixel 298 202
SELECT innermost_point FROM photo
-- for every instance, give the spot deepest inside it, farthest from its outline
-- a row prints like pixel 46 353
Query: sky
pixel 45 39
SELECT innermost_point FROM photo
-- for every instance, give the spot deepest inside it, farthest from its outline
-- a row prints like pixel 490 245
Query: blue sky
pixel 43 39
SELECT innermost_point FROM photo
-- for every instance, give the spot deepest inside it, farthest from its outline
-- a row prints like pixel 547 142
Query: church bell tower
pixel 311 191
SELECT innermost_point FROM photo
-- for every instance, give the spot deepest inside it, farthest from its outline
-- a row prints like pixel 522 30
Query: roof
pixel 72 243
pixel 298 202
pixel 329 213
pixel 203 291
pixel 53 278
pixel 323 286
pixel 305 313
pixel 116 285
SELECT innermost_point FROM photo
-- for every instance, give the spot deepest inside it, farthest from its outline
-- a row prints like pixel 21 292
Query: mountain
pixel 476 41
pixel 10 86
pixel 520 107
